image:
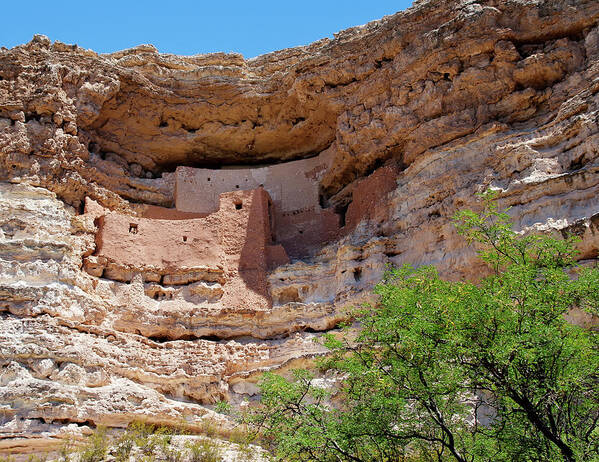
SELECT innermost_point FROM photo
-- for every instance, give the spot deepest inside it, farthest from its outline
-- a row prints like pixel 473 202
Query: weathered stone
pixel 403 120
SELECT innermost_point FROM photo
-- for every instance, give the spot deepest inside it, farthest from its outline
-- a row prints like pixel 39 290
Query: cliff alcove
pixel 172 226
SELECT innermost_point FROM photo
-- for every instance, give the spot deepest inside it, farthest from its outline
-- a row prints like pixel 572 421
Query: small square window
pixel 133 228
pixel 239 205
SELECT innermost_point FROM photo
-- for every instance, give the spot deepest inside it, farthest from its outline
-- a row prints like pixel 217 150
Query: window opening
pixel 357 274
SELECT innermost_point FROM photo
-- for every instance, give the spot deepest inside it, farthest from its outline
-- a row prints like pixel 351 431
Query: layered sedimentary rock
pixel 134 287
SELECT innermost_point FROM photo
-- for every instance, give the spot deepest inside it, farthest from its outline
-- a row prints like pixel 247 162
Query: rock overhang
pixel 418 112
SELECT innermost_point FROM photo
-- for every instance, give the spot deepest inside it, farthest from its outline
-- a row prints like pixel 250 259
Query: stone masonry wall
pixel 292 185
pixel 419 111
pixel 301 223
pixel 224 255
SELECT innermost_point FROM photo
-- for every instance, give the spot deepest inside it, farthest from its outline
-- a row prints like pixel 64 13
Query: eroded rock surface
pixel 414 113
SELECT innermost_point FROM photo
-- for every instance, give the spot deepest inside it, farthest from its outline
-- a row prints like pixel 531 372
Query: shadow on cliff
pixel 253 259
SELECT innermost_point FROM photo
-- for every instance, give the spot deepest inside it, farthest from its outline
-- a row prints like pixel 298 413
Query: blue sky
pixel 188 27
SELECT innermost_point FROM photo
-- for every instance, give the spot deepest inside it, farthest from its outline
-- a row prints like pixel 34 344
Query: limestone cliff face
pixel 416 113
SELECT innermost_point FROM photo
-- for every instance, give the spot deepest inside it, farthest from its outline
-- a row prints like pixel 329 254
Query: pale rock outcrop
pixel 445 100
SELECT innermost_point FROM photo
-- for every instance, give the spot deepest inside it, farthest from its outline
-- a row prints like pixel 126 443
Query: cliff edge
pixel 172 226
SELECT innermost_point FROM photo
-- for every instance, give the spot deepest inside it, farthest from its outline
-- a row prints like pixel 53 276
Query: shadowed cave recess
pixel 173 226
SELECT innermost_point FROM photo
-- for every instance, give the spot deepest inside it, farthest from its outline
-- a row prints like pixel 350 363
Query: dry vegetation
pixel 148 443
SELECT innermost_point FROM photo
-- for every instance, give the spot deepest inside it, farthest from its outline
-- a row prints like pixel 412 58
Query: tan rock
pixel 401 121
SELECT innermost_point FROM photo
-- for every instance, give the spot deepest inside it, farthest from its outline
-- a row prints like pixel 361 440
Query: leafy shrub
pixel 223 408
pixel 123 447
pixel 458 371
pixel 96 448
pixel 37 458
pixel 67 448
pixel 204 450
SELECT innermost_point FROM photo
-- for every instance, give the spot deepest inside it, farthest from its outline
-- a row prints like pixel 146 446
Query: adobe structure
pixel 301 223
pixel 219 257
pixel 228 228
pixel 173 226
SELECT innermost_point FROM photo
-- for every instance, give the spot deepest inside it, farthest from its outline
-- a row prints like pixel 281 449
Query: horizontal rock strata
pixel 416 113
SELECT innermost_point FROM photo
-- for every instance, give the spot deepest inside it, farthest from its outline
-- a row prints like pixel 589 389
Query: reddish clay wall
pixel 239 243
pixel 244 235
pixel 276 256
pixel 303 231
pixel 163 244
pixel 297 220
pixel 163 213
pixel 369 192
pixel 234 243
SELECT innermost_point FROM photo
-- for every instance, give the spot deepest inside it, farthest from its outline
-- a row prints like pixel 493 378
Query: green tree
pixel 440 370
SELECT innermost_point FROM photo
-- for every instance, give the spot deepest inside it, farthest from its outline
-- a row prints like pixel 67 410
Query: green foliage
pixel 138 435
pixel 142 435
pixel 96 448
pixel 454 370
pixel 171 454
pixel 223 408
pixel 204 450
pixel 243 437
pixel 148 439
pixel 67 448
pixel 31 458
pixel 147 443
pixel 37 458
pixel 123 447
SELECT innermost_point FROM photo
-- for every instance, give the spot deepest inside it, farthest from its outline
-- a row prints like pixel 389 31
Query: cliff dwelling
pixel 227 229
pixel 171 227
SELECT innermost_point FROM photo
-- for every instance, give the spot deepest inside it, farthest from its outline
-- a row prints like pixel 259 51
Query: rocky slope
pixel 453 97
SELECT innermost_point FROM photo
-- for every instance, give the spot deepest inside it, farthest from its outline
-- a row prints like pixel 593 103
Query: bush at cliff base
pixel 486 371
